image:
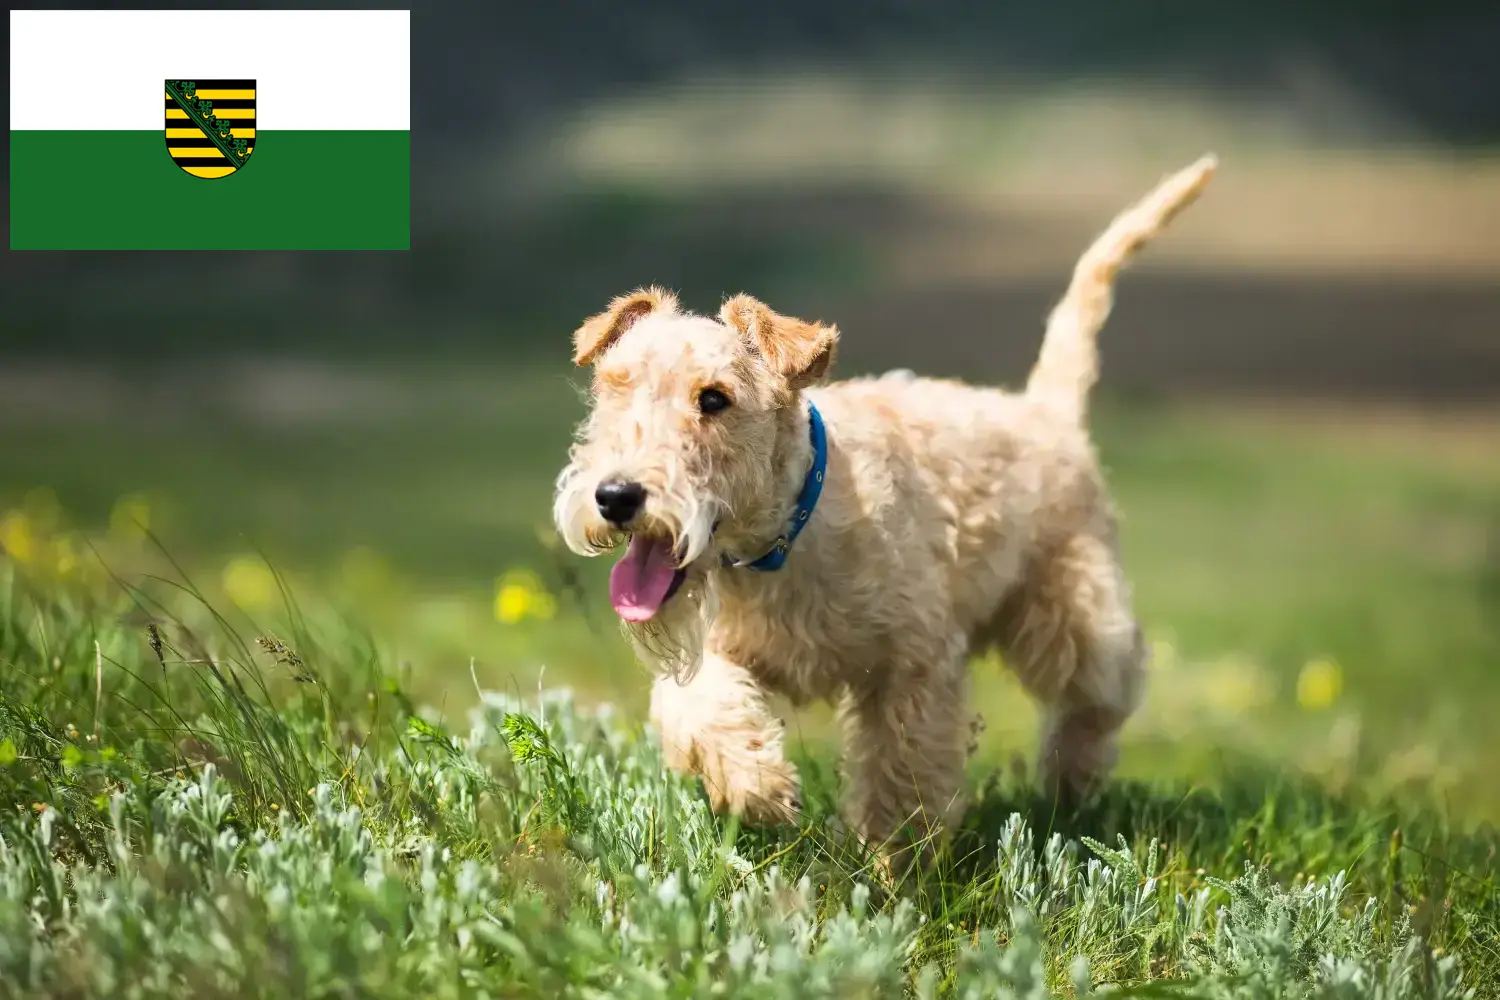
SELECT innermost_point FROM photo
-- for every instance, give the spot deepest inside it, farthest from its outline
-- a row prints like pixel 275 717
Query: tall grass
pixel 197 812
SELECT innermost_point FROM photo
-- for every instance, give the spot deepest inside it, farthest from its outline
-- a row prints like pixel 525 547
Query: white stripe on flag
pixel 314 69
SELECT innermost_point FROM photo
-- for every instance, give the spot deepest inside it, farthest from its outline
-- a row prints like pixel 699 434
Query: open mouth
pixel 645 578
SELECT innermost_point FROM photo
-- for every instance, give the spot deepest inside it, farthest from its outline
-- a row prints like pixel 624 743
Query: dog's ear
pixel 798 351
pixel 598 332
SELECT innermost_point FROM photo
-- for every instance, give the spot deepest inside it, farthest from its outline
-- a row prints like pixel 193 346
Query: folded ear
pixel 598 332
pixel 798 351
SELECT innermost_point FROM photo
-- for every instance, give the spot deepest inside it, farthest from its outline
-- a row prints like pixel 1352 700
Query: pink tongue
pixel 640 580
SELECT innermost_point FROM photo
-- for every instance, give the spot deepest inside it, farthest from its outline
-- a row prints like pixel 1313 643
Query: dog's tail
pixel 1069 361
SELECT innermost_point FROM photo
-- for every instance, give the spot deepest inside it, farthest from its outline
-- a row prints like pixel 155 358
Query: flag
pixel 210 129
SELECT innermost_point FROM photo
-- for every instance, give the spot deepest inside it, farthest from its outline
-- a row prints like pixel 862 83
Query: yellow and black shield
pixel 210 125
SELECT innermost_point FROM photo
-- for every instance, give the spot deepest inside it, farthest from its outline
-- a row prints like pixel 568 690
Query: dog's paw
pixel 760 792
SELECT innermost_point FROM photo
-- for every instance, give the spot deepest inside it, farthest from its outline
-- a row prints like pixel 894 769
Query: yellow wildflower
pixel 1319 684
pixel 511 602
pixel 250 583
pixel 17 536
pixel 519 595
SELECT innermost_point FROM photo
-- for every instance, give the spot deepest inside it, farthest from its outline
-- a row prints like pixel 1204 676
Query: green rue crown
pixel 210 123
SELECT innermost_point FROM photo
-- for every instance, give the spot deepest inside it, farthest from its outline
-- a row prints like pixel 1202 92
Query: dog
pixel 858 542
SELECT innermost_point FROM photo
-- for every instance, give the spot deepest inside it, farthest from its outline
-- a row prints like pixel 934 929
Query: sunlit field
pixel 322 578
pixel 301 696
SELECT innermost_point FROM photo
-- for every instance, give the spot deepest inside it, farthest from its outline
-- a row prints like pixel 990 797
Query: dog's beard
pixel 671 641
pixel 689 518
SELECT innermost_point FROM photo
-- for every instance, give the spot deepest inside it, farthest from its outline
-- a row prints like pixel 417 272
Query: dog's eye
pixel 712 401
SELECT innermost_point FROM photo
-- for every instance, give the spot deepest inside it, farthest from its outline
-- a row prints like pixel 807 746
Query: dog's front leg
pixel 718 725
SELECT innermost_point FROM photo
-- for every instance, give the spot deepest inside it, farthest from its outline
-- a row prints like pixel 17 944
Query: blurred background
pixel 1300 407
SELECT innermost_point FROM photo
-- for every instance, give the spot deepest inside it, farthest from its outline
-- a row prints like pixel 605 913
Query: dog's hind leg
pixel 717 725
pixel 1069 635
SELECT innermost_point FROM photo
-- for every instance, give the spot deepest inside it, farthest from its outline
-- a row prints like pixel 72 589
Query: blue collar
pixel 812 488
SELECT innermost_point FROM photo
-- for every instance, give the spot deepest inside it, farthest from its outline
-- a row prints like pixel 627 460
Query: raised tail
pixel 1069 363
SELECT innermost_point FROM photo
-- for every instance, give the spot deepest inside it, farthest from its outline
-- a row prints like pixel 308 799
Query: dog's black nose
pixel 619 502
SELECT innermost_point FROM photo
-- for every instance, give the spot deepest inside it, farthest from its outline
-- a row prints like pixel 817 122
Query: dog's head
pixel 682 435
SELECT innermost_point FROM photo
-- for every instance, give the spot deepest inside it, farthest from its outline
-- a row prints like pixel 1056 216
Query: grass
pixel 321 815
pixel 204 811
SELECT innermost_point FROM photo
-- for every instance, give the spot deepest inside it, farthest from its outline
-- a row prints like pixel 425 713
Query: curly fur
pixel 953 518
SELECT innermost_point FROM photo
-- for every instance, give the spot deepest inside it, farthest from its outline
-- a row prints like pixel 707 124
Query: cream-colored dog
pixel 940 519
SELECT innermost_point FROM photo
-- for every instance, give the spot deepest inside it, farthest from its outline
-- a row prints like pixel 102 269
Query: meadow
pixel 298 696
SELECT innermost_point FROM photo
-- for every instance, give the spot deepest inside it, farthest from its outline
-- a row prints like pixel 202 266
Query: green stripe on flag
pixel 332 190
